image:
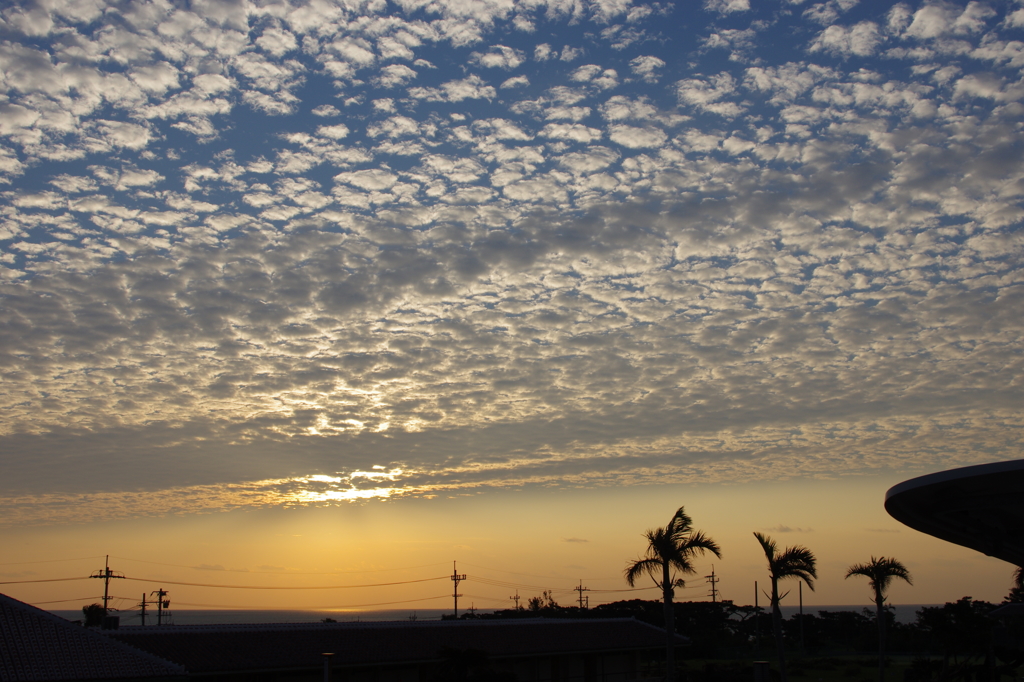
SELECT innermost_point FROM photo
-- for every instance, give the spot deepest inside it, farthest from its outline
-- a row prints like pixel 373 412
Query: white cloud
pixel 543 52
pixel 277 41
pixel 501 129
pixel 123 134
pixel 72 184
pixel 570 54
pixel 567 113
pixel 471 87
pixel 596 158
pixel 726 6
pixel 540 190
pixel 453 169
pixel 156 78
pixel 785 82
pixel 621 108
pixel 982 85
pixel 371 179
pixel 15 118
pixel 335 132
pixel 646 68
pixel 276 104
pixel 515 82
pixel 394 75
pixel 936 20
pixel 706 95
pixel 212 83
pixel 356 51
pixel 826 13
pixel 898 18
pixel 498 57
pixel 862 40
pixel 571 131
pixel 390 47
pixel 396 126
pixel 325 110
pixel 635 138
pixel 585 73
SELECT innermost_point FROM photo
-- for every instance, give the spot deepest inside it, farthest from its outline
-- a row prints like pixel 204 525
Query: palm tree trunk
pixel 780 644
pixel 670 625
pixel 880 615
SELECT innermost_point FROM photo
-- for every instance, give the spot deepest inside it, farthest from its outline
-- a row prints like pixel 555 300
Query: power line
pixel 48 561
pixel 199 568
pixel 64 601
pixel 385 603
pixel 245 607
pixel 532 575
pixel 284 587
pixel 42 580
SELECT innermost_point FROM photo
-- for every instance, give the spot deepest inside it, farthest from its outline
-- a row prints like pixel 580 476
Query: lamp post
pixel 327 666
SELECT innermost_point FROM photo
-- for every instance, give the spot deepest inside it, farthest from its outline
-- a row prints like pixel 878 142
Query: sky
pixel 339 291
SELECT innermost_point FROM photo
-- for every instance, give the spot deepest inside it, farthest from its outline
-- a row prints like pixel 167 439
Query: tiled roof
pixel 213 648
pixel 37 646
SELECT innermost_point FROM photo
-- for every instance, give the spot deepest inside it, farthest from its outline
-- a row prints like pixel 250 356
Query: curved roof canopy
pixel 980 507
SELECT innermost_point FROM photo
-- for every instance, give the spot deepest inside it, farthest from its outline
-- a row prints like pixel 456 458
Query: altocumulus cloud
pixel 308 254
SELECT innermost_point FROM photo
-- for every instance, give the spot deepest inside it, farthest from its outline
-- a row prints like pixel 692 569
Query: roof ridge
pixel 367 625
pixel 88 633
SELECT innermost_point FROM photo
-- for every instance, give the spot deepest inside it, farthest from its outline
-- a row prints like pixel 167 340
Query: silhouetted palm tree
pixel 671 549
pixel 792 562
pixel 1016 595
pixel 880 573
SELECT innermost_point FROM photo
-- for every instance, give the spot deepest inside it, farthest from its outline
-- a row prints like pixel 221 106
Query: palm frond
pixel 768 545
pixel 650 566
pixel 672 546
pixel 797 562
pixel 792 562
pixel 880 573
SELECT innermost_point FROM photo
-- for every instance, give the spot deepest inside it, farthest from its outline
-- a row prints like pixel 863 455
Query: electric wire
pixel 47 561
pixel 284 587
pixel 63 601
pixel 317 608
pixel 531 575
pixel 198 568
pixel 493 582
pixel 41 580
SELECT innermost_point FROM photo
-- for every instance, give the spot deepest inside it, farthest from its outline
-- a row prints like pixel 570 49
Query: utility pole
pixel 581 590
pixel 105 574
pixel 161 604
pixel 142 614
pixel 801 584
pixel 713 580
pixel 456 578
pixel 516 599
pixel 757 621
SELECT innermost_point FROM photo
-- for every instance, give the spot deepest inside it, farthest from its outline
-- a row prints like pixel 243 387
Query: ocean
pixel 905 613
